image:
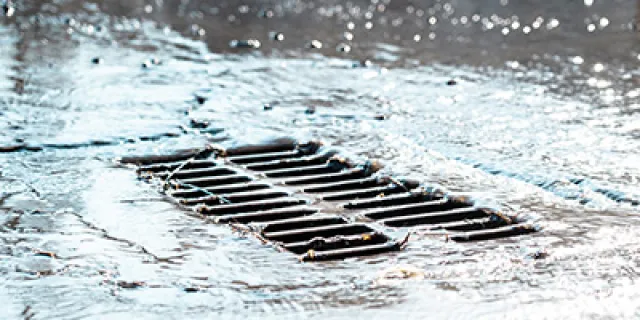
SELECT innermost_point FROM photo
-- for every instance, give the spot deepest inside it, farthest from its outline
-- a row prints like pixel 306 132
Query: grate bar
pixel 278 214
pixel 290 163
pixel 195 173
pixel 414 208
pixel 328 231
pixel 367 182
pixel 435 217
pixel 489 222
pixel 249 206
pixel 331 177
pixel 303 223
pixel 278 145
pixel 237 197
pixel 215 181
pixel 225 189
pixel 170 166
pixel 507 231
pixel 399 199
pixel 304 171
pixel 364 193
pixel 180 155
pixel 350 252
pixel 339 242
pixel 262 157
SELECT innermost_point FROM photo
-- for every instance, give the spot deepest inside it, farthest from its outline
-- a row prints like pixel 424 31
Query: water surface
pixel 542 120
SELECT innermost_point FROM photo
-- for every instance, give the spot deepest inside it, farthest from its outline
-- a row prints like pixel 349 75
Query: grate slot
pixel 214 181
pixel 302 223
pixel 350 252
pixel 368 182
pixel 273 146
pixel 250 206
pixel 262 157
pixel 268 215
pixel 305 171
pixel 322 231
pixel 399 199
pixel 237 197
pixel 489 222
pixel 340 242
pixel 180 155
pixel 364 193
pixel 226 189
pixel 330 177
pixel 290 163
pixel 197 173
pixel 489 234
pixel 170 166
pixel 251 196
pixel 435 217
pixel 415 208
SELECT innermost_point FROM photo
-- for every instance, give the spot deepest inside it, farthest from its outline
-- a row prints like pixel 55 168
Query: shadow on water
pixel 529 104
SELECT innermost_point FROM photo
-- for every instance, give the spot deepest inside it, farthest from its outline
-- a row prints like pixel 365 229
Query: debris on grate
pixel 305 197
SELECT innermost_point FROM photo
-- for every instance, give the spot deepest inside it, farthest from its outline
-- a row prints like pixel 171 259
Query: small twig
pixel 141 200
pixel 205 191
pixel 398 183
pixel 404 241
pixel 106 235
pixel 246 229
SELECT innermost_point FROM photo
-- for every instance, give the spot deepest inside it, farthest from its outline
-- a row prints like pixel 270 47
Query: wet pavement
pixel 529 106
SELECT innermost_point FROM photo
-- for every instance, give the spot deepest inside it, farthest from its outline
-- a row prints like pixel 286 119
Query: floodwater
pixel 542 119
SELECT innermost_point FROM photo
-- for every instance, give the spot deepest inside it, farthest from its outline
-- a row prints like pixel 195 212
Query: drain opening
pixel 236 185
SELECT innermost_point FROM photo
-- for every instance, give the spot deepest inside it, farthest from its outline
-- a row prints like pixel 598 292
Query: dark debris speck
pixel 199 124
pixel 201 99
pixel 130 285
pixel 8 9
pixel 452 82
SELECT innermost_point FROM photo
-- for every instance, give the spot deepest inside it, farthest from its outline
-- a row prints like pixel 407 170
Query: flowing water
pixel 532 106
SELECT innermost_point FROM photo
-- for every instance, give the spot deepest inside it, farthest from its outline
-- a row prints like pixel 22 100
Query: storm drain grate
pixel 307 198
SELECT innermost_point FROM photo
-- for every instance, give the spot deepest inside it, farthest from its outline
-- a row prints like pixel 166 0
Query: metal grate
pixel 306 198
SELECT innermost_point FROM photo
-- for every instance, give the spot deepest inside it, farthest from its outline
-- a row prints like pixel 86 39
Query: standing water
pixel 532 106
